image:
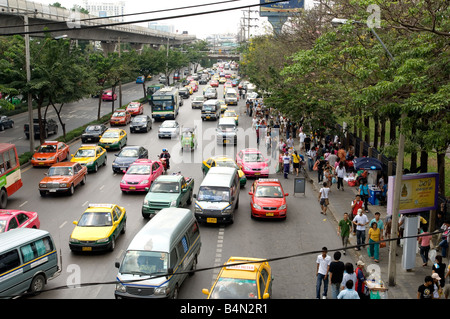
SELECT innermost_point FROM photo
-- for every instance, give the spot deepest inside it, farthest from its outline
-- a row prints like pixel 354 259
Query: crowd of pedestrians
pixel 334 166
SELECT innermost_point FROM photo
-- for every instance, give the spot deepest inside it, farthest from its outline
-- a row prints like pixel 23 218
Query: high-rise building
pixel 105 8
pixel 161 27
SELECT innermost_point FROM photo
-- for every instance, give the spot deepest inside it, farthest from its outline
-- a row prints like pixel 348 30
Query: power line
pixel 144 20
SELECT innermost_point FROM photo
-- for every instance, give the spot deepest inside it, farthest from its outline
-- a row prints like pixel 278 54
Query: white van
pixel 160 256
pixel 231 97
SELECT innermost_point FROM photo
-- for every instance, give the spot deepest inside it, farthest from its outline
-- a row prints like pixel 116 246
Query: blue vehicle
pixel 140 79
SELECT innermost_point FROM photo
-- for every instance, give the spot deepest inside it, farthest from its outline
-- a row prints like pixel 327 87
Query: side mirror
pixel 75 222
pixel 195 195
pixel 286 194
pixel 266 296
pixel 250 193
pixel 205 291
pixel 117 264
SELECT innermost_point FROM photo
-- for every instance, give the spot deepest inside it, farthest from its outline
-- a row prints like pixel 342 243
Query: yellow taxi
pixel 231 114
pixel 98 228
pixel 242 278
pixel 222 80
pixel 113 138
pixel 190 89
pixel 223 161
pixel 90 155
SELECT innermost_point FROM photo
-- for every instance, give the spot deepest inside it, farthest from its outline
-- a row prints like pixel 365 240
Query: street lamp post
pixel 398 171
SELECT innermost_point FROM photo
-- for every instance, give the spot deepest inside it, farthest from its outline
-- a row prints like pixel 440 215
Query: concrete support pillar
pixel 108 47
pixel 137 47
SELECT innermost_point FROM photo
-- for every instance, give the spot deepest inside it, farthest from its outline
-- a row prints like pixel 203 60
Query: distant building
pixel 222 42
pixel 105 8
pixel 161 27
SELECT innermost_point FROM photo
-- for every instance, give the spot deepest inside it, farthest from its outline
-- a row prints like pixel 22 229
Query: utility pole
pixel 28 67
pixel 248 25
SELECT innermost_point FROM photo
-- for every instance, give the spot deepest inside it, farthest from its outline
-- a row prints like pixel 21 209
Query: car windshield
pixel 253 157
pixel 93 128
pixel 198 99
pixel 139 170
pixel 144 262
pixel 165 187
pixel 85 153
pixel 234 288
pixel 226 127
pixel 111 135
pixel 231 95
pixel 128 152
pixel 139 119
pixel 133 106
pixel 229 114
pixel 47 149
pixel 211 90
pixel 209 107
pixel 226 164
pixel 213 194
pixel 60 171
pixel 95 219
pixel 269 191
pixel 168 124
pixel 118 114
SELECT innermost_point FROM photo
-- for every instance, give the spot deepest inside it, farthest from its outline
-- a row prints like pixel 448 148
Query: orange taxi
pixel 135 108
pixel 63 178
pixel 49 153
pixel 120 117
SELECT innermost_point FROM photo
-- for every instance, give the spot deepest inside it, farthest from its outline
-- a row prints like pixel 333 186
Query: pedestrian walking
pixel 444 243
pixel 360 284
pixel 356 204
pixel 311 155
pixel 349 274
pixel 424 244
pixel 436 286
pixel 426 290
pixel 340 174
pixel 439 267
pixel 364 192
pixel 323 266
pixel 360 221
pixel 374 236
pixel 302 137
pixel 296 160
pixel 336 272
pixel 320 168
pixel 323 198
pixel 286 164
pixel 344 228
pixel 348 292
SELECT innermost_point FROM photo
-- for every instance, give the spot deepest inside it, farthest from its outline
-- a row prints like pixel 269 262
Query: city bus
pixel 10 177
pixel 165 103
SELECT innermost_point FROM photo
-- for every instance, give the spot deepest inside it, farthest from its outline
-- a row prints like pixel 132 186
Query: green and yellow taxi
pixel 90 155
pixel 223 106
pixel 98 228
pixel 223 161
pixel 231 114
pixel 242 278
pixel 113 138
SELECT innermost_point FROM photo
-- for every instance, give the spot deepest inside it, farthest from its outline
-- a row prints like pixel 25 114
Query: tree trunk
pixel 99 113
pixel 392 129
pixel 375 130
pixel 423 161
pixel 441 171
pixel 360 118
pixel 367 129
pixel 383 133
pixel 413 165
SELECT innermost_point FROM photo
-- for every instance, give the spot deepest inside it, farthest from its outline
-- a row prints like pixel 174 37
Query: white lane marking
pixel 218 257
pixel 63 224
pixel 85 203
pixel 24 203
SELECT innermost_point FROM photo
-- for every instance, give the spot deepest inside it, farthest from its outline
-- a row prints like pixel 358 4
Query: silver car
pixel 197 102
pixel 226 132
pixel 211 93
pixel 169 128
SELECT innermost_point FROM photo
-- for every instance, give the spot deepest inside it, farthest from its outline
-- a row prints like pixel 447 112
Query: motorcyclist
pixel 165 154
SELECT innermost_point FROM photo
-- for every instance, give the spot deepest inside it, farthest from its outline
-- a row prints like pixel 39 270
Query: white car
pixel 169 128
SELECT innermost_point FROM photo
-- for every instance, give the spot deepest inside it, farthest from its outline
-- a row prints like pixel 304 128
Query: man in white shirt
pixel 286 164
pixel 360 220
pixel 323 266
pixel 302 137
pixel 311 154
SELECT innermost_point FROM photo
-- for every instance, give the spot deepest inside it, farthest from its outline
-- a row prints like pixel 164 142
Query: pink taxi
pixel 252 163
pixel 140 175
pixel 11 218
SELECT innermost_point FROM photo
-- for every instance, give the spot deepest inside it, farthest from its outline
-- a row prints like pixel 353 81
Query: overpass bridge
pixel 75 25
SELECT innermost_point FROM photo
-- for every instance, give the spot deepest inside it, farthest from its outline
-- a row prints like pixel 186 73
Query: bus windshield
pixel 144 263
pixel 163 105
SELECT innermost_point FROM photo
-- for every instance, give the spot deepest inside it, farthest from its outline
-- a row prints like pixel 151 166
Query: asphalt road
pixel 304 230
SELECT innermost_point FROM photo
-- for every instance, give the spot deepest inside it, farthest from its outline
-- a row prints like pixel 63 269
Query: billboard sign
pixel 419 192
pixel 282 8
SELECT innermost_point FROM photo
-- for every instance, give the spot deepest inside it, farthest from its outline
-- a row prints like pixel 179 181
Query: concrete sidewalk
pixel 407 281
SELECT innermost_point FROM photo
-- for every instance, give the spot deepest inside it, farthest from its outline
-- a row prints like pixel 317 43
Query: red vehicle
pixel 214 83
pixel 135 108
pixel 63 178
pixel 49 153
pixel 140 175
pixel 108 96
pixel 194 86
pixel 268 200
pixel 120 117
pixel 12 218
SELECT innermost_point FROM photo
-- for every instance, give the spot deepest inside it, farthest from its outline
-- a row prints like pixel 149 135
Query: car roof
pixel 268 181
pixel 99 207
pixel 242 270
pixel 63 164
pixel 251 150
pixel 19 236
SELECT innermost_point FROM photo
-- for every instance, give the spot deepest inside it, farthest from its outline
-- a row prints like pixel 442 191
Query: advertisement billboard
pixel 282 8
pixel 419 192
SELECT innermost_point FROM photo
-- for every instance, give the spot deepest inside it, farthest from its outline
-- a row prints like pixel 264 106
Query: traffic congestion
pixel 114 182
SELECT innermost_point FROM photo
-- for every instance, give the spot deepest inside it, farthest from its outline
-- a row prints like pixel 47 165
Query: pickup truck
pixel 50 127
pixel 168 191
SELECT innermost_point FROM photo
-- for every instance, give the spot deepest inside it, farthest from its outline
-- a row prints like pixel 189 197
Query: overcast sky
pixel 201 25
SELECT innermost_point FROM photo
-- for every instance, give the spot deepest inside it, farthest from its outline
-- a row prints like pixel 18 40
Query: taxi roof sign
pixel 248 267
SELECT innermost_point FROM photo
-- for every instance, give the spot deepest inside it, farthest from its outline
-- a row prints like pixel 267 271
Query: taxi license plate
pixel 41 163
pixel 132 187
pixel 269 214
pixel 86 248
pixel 106 146
pixel 226 141
pixel 257 173
pixel 211 220
pixel 208 117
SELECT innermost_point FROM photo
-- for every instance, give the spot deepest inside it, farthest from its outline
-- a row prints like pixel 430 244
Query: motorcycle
pixel 164 163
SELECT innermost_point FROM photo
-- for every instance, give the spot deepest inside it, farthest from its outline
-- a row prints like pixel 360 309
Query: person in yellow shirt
pixel 296 161
pixel 374 242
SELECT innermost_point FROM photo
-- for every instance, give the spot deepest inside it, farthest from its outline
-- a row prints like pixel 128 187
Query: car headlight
pixel 247 168
pixel 256 206
pixel 162 291
pixel 144 182
pixel 282 207
pixel 145 202
pixel 103 240
pixel 51 158
pixel 120 287
pixel 198 209
pixel 73 240
pixel 122 182
pixel 43 185
pixel 173 203
pixel 89 163
pixel 63 185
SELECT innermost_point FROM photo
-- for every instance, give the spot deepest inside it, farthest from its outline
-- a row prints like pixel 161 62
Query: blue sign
pixel 282 8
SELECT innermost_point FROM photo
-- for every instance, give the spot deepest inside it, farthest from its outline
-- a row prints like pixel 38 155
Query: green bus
pixel 165 103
